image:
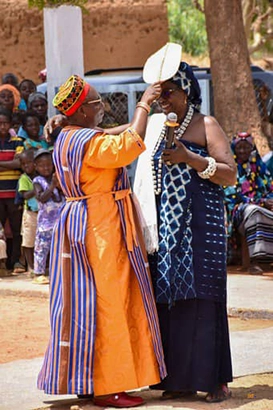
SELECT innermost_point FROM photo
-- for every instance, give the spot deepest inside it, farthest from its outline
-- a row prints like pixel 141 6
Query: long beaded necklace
pixel 157 174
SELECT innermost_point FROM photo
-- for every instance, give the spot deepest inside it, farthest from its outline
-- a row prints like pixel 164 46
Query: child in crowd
pixel 10 172
pixel 3 252
pixel 16 122
pixel 50 199
pixel 26 87
pixel 31 126
pixel 30 213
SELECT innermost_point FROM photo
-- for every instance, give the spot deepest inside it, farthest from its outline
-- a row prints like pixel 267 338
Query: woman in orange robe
pixel 104 328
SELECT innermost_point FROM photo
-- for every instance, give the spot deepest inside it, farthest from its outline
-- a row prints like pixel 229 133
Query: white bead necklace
pixel 157 175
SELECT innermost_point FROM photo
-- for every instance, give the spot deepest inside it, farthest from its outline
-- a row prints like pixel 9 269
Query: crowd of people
pixel 30 197
pixel 138 287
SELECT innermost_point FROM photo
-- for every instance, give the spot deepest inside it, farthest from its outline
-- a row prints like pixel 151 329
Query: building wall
pixel 116 33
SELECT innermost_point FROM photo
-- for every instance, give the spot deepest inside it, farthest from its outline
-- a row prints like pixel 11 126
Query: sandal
pixel 255 270
pixel 5 273
pixel 41 280
pixel 19 268
pixel 171 395
pixel 221 394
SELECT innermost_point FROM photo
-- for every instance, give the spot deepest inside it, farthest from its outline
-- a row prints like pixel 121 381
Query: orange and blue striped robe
pixel 69 361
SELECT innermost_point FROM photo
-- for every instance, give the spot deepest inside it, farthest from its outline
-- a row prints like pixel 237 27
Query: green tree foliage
pixel 56 3
pixel 187 26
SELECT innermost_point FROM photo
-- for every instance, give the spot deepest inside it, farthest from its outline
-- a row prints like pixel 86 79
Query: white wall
pixel 63 47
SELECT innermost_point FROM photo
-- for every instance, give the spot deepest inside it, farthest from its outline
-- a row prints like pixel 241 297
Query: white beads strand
pixel 157 176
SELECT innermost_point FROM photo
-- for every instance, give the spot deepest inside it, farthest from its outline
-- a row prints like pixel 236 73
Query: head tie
pixel 185 79
pixel 242 136
pixel 15 92
pixel 36 95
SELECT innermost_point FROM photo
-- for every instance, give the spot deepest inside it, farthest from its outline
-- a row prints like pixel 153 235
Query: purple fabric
pixel 49 211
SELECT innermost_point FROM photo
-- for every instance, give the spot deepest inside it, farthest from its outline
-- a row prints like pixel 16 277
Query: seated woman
pixel 249 203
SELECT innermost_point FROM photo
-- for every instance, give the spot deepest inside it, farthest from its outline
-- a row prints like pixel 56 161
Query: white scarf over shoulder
pixel 143 183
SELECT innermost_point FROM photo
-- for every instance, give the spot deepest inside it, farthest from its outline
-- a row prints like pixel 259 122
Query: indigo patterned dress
pixel 189 276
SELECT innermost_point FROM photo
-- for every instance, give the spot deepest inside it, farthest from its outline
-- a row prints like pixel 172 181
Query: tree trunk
pixel 235 104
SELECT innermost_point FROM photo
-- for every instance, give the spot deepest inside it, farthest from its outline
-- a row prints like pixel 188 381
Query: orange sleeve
pixel 114 151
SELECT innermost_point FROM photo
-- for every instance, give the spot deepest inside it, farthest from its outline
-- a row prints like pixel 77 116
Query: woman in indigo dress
pixel 187 239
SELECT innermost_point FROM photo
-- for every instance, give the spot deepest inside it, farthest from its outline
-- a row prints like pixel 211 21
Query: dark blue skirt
pixel 196 345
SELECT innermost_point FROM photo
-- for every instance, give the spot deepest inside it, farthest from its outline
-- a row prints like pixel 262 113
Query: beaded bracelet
pixel 144 105
pixel 210 170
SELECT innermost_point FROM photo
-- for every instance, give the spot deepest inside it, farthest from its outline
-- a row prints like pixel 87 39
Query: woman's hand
pixel 151 93
pixel 177 155
pixel 58 120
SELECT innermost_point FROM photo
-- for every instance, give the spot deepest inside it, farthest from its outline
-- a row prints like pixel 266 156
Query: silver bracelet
pixel 210 170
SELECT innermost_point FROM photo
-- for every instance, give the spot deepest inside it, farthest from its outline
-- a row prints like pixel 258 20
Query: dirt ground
pixel 24 332
pixel 24 327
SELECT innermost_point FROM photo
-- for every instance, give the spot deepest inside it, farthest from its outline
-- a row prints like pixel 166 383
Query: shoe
pixel 119 400
pixel 255 270
pixel 19 268
pixel 85 396
pixel 41 280
pixel 221 394
pixel 172 395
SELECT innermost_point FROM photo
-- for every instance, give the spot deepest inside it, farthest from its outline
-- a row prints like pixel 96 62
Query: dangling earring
pixel 84 115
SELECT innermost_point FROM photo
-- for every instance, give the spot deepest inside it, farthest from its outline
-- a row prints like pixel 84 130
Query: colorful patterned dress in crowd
pixel 246 213
pixel 108 341
pixel 48 214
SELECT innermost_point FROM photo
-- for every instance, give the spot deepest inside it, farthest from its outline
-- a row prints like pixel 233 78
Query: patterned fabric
pixel 30 143
pixel 9 147
pixel 41 250
pixel 185 79
pixel 256 226
pixel 49 211
pixel 139 265
pixel 254 185
pixel 242 136
pixel 69 362
pixel 71 95
pixel 192 240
